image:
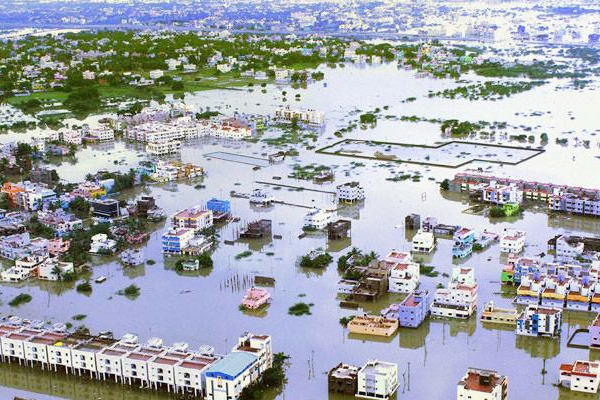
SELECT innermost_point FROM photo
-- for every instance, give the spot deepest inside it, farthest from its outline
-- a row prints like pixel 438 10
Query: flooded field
pixel 202 308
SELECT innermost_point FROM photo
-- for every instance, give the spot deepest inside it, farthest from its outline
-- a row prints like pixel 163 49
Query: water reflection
pixel 538 347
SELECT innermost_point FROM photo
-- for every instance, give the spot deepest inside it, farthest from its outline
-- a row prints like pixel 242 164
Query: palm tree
pixel 58 272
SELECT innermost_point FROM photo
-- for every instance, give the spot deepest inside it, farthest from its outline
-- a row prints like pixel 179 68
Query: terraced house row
pixel 151 365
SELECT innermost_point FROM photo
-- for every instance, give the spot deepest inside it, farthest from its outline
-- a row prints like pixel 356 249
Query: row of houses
pixel 151 365
pixel 35 266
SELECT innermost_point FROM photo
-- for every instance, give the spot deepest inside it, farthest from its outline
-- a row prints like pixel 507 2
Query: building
pixel 163 148
pixel 310 117
pixel 414 309
pixel 24 268
pixel 105 208
pixel 463 243
pixel 53 270
pixel 480 384
pixel 132 257
pixel 459 300
pixel 512 241
pixel 144 205
pixel 581 376
pixel 101 244
pixel 256 298
pixel 377 380
pixel 261 198
pixel 502 194
pixel 219 207
pixel 318 219
pixel 194 218
pixel 343 378
pixel 349 192
pixel 495 315
pixel 339 230
pixel 174 241
pixel 568 248
pixel 423 242
pixel 404 272
pixel 539 321
pixel 373 325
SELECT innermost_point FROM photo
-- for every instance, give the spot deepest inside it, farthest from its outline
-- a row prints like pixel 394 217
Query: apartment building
pixel 373 325
pixel 414 309
pixel 512 241
pixel 174 241
pixel 581 376
pixel 423 242
pixel 377 380
pixel 480 384
pixel 349 192
pixel 459 300
pixel 404 272
pixel 163 148
pixel 195 218
pixel 539 321
pixel 318 219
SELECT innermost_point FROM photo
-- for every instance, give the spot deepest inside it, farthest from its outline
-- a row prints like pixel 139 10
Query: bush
pixel 131 291
pixel 20 299
pixel 85 287
pixel 497 212
pixel 320 261
pixel 299 309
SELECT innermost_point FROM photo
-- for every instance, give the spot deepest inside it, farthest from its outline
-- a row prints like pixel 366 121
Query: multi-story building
pixel 102 244
pixel 343 378
pixel 318 218
pixel 502 194
pixel 174 241
pixel 373 325
pixel 310 117
pixel 539 321
pixel 105 208
pixel 404 272
pixel 195 218
pixel 349 192
pixel 423 242
pixel 512 241
pixel 414 309
pixel 163 148
pixel 581 376
pixel 463 243
pixel 377 380
pixel 574 203
pixel 480 384
pixel 459 300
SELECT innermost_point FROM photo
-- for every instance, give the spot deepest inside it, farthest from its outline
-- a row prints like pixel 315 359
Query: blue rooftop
pixel 232 365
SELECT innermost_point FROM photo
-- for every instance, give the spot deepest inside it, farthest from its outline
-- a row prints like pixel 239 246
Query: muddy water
pixel 202 308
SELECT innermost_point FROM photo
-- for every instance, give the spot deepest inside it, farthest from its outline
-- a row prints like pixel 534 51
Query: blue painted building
pixel 463 243
pixel 227 378
pixel 414 309
pixel 219 206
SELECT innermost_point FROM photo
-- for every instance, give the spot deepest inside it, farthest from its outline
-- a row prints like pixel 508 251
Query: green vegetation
pixel 307 172
pixel 368 118
pixel 320 261
pixel 272 378
pixel 428 271
pixel 22 298
pixel 300 309
pixel 445 185
pixel 344 321
pixel 487 90
pixel 243 254
pixel 80 243
pixel 84 287
pixel 131 291
pixel 79 317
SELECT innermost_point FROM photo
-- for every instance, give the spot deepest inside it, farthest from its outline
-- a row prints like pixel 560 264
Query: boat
pixel 100 279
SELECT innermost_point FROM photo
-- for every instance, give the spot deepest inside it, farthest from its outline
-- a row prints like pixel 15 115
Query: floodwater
pixel 202 308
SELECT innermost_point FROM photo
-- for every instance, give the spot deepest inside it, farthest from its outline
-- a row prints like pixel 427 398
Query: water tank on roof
pixel 155 342
pixel 206 350
pixel 129 338
pixel 180 346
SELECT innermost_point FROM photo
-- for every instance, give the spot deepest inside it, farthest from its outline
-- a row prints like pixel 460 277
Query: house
pixel 102 244
pixel 88 75
pixel 459 300
pixel 219 207
pixel 318 219
pixel 343 378
pixel 227 378
pixel 105 208
pixel 58 246
pixel 156 73
pixel 404 272
pixel 373 325
pixel 339 230
pixel 346 286
pixel 350 192
pixel 261 198
pixel 175 240
pixel 463 243
pixel 581 376
pixel 568 248
pixel 256 298
pixel 132 257
pixel 496 315
pixel 23 269
pixel 423 242
pixel 480 384
pixel 539 321
pixel 512 241
pixel 377 380
pixel 310 117
pixel 194 218
pixel 53 270
pixel 502 194
pixel 414 309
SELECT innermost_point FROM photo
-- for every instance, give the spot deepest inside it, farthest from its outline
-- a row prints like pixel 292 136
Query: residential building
pixel 512 241
pixel 377 380
pixel 404 272
pixel 343 378
pixel 459 300
pixel 496 315
pixel 53 270
pixel 310 117
pixel 174 241
pixel 23 269
pixel 480 384
pixel 373 325
pixel 463 243
pixel 318 218
pixel 414 309
pixel 163 148
pixel 105 208
pixel 423 242
pixel 581 376
pixel 219 207
pixel 102 244
pixel 502 194
pixel 256 298
pixel 349 192
pixel 539 321
pixel 195 218
pixel 58 246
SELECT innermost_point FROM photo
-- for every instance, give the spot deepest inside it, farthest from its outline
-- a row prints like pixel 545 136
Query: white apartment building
pixel 349 192
pixel 581 376
pixel 512 241
pixel 23 269
pixel 318 218
pixel 423 242
pixel 480 384
pixel 311 117
pixel 52 269
pixel 163 148
pixel 459 300
pixel 404 273
pixel 502 194
pixel 377 380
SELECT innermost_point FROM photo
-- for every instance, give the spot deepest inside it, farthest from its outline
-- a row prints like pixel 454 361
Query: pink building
pixel 58 246
pixel 256 298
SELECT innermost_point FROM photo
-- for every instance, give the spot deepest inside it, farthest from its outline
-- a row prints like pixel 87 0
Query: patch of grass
pixel 243 254
pixel 428 270
pixel 79 317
